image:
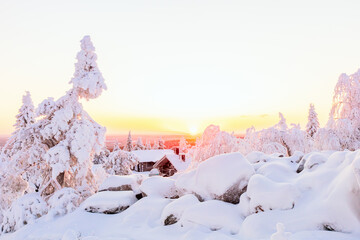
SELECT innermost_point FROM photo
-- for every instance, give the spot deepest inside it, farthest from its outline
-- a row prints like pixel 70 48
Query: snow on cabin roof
pixel 151 155
pixel 176 161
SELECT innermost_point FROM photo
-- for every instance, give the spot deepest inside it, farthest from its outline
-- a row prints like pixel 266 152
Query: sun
pixel 193 130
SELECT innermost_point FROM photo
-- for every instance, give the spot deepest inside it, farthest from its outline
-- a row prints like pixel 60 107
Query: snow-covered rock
pixel 223 177
pixel 122 183
pixel 173 211
pixel 109 202
pixel 266 194
pixel 280 233
pixel 157 186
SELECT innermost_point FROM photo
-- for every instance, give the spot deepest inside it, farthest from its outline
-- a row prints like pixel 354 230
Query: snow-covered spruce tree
pixel 139 144
pixel 121 163
pixel 313 122
pixel 183 145
pixel 71 135
pixel 22 159
pixel 116 146
pixel 156 145
pixel 161 143
pixel 129 144
pixel 148 145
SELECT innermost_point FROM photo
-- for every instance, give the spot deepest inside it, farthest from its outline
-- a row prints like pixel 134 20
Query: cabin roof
pixel 175 160
pixel 151 155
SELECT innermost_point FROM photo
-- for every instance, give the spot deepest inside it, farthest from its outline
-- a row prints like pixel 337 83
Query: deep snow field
pixel 309 197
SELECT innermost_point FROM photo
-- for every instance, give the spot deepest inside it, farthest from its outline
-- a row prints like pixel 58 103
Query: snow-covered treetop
pixel 88 80
pixel 282 126
pixel 313 123
pixel 26 115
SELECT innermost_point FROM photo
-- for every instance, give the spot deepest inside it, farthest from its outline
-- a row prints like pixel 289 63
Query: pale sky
pixel 176 66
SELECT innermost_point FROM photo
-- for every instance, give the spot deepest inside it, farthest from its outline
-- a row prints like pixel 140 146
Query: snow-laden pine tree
pixel 22 162
pixel 72 136
pixel 139 144
pixel 26 115
pixel 161 143
pixel 116 146
pixel 183 145
pixel 313 123
pixel 129 143
pixel 148 145
pixel 87 79
pixel 156 145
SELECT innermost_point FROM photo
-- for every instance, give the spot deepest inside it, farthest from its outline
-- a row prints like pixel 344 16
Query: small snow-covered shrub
pixel 159 187
pixel 109 202
pixel 223 177
pixel 23 211
pixel 174 210
pixel 64 201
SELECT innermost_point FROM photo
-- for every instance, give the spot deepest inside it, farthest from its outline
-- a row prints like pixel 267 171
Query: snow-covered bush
pixel 23 211
pixel 223 177
pixel 121 162
pixel 64 201
pixel 212 142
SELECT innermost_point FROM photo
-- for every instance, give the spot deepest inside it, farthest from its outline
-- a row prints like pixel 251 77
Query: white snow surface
pixel 320 202
pixel 113 182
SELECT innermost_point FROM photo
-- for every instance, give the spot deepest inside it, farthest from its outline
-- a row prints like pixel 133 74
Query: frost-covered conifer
pixel 139 144
pixel 129 144
pixel 156 145
pixel 148 145
pixel 161 143
pixel 116 146
pixel 313 123
pixel 26 115
pixel 88 80
pixel 183 145
pixel 72 136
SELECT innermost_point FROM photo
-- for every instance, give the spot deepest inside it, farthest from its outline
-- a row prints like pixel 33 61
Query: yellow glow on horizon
pixel 193 130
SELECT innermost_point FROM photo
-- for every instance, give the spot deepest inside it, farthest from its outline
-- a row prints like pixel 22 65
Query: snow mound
pixel 265 194
pixel 109 202
pixel 209 214
pixel 223 177
pixel 157 186
pixel 23 211
pixel 122 183
pixel 314 159
pixel 173 211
